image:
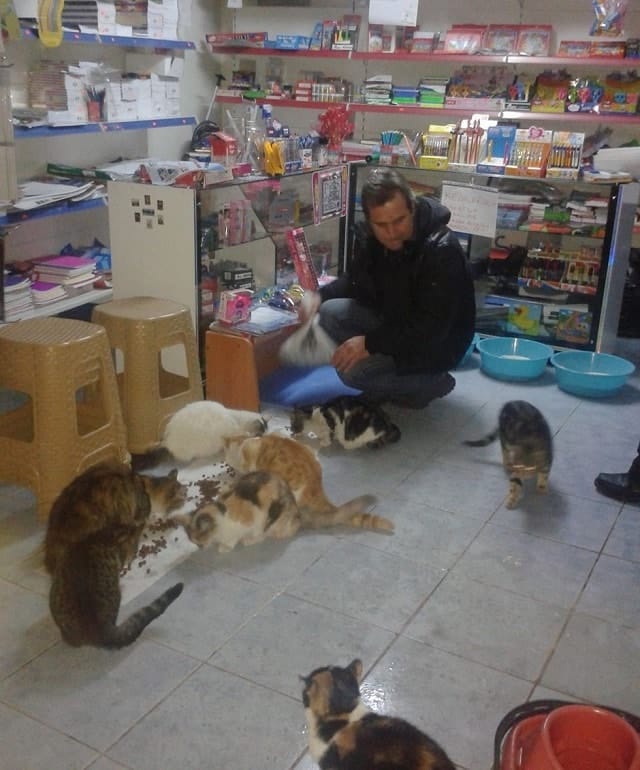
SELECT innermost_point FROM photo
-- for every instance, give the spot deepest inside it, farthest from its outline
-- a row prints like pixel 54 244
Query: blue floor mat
pixel 302 386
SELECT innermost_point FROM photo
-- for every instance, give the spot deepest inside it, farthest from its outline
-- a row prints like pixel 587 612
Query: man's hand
pixel 349 353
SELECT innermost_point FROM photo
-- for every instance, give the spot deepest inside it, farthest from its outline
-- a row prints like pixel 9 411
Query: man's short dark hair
pixel 381 185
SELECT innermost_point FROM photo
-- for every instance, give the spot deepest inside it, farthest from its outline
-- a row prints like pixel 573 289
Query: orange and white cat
pixel 298 465
pixel 258 506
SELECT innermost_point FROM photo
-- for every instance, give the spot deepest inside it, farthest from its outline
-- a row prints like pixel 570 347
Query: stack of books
pixel 17 297
pixel 44 293
pixel 377 89
pixel 73 273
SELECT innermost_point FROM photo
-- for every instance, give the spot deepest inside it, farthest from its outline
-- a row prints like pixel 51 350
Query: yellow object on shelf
pixel 50 31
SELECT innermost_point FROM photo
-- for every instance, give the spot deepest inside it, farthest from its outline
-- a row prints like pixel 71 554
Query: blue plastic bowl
pixel 513 358
pixel 470 349
pixel 593 375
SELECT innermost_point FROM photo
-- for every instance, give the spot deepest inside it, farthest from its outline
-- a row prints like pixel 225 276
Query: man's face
pixel 392 222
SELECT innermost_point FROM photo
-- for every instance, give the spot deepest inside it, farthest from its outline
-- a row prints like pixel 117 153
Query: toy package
pixel 500 141
pixel 530 152
pixel 565 155
pixel 235 306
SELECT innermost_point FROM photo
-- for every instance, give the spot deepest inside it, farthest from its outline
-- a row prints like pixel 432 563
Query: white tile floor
pixel 468 610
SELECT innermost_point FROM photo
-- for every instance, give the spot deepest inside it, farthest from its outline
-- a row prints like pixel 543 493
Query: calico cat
pixel 259 505
pixel 197 431
pixel 298 465
pixel 93 534
pixel 106 494
pixel 345 735
pixel 351 421
pixel 527 446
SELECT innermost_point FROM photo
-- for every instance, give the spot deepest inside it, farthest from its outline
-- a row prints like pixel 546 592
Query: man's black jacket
pixel 423 293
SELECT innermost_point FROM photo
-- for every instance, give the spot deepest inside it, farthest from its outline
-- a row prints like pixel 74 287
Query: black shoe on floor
pixel 441 386
pixel 618 486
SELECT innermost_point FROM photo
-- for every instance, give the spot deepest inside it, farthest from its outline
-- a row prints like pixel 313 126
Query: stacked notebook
pixel 43 293
pixel 17 297
pixel 68 271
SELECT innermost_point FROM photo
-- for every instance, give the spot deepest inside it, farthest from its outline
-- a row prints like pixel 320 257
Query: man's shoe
pixel 439 387
pixel 618 486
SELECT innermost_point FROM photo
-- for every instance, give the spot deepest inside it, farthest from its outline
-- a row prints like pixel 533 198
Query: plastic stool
pixel 156 363
pixel 64 414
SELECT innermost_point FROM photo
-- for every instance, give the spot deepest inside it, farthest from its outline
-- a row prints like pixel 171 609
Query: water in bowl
pixel 514 357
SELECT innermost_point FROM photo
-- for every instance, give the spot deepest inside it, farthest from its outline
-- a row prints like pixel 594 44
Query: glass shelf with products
pixel 553 265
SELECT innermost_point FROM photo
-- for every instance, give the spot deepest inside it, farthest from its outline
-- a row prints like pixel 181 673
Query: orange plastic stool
pixel 156 363
pixel 64 413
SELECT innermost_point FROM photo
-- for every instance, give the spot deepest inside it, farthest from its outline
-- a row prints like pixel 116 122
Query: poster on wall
pixel 474 210
pixel 401 13
pixel 329 193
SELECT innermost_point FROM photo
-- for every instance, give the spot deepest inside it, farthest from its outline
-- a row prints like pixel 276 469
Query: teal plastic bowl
pixel 513 358
pixel 592 375
pixel 470 349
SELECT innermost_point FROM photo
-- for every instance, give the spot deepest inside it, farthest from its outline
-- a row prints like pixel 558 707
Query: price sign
pixel 474 210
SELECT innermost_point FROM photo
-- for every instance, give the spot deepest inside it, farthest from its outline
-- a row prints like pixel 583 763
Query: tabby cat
pixel 350 420
pixel 345 735
pixel 527 446
pixel 298 465
pixel 259 505
pixel 106 494
pixel 93 533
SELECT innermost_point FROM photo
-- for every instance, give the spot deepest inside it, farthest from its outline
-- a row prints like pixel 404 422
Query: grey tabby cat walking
pixel 345 735
pixel 527 446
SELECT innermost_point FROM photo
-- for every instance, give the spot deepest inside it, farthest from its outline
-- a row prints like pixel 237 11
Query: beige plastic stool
pixel 156 363
pixel 64 413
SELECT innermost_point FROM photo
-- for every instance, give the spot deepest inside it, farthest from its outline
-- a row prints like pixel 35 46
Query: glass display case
pixel 549 256
pixel 189 244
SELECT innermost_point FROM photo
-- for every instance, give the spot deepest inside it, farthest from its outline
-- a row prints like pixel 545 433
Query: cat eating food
pixel 198 431
pixel 299 467
pixel 93 533
pixel 527 446
pixel 345 735
pixel 259 505
pixel 350 420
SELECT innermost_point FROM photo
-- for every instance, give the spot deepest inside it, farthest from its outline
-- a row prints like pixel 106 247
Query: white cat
pixel 198 431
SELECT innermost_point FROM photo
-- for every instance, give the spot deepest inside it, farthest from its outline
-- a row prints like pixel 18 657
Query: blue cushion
pixel 303 385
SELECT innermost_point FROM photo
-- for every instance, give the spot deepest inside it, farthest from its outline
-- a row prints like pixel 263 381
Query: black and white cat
pixel 350 420
pixel 527 446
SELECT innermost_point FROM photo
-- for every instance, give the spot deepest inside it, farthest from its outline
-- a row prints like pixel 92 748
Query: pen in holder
pixel 95 103
pixel 388 141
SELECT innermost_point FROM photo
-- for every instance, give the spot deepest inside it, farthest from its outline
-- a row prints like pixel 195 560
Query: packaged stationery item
pixel 530 152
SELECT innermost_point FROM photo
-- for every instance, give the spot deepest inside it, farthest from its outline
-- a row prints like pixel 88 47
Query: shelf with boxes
pixel 617 99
